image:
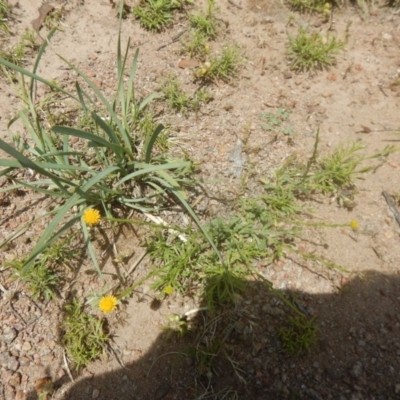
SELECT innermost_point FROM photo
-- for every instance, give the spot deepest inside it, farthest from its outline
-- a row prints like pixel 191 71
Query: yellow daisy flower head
pixel 354 225
pixel 168 290
pixel 108 304
pixel 91 216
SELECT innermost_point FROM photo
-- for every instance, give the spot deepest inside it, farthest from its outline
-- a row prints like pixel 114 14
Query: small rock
pixel 26 346
pixel 188 63
pixel 15 380
pixel 247 32
pixel 9 392
pixel 13 364
pixel 397 388
pixel 287 74
pixel 387 36
pixel 4 357
pixel 356 370
pixel 20 395
pixel 9 335
pixel 162 391
pixel 23 361
pixel 95 393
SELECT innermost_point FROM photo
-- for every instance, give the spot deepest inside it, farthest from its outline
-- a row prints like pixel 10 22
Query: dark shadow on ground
pixel 240 355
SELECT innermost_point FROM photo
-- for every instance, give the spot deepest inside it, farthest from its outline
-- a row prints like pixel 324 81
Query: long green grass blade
pixel 147 100
pixel 148 146
pixel 194 217
pixel 144 169
pixel 104 101
pixel 39 57
pixel 130 90
pixel 98 141
pixel 35 77
pixel 48 235
pixel 27 163
pixel 48 166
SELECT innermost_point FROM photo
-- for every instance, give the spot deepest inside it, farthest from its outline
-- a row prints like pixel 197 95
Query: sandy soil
pixel 358 351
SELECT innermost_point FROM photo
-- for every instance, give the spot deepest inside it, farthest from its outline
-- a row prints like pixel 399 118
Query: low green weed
pixel 17 54
pixel 312 51
pixel 43 281
pixel 5 11
pixel 54 17
pixel 260 227
pixel 175 96
pixel 196 46
pixel 277 122
pixel 321 6
pixel 155 15
pixel 225 67
pixel 44 277
pixel 299 334
pixel 179 101
pixel 205 23
pixel 84 335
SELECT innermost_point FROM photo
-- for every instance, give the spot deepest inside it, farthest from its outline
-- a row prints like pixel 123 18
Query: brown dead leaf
pixel 188 63
pixel 332 77
pixel 365 129
pixel 44 9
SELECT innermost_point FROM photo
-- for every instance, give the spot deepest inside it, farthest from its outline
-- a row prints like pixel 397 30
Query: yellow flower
pixel 168 290
pixel 354 225
pixel 91 216
pixel 108 304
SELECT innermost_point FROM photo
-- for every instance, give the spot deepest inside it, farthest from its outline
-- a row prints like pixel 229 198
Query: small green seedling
pixel 41 280
pixel 155 15
pixel 4 16
pixel 321 6
pixel 276 122
pixel 179 101
pixel 44 278
pixel 299 334
pixel 84 336
pixel 312 51
pixel 196 46
pixel 205 23
pixel 225 67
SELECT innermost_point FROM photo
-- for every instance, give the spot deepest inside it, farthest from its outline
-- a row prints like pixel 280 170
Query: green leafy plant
pixel 175 96
pixel 277 122
pixel 310 5
pixel 225 67
pixel 44 277
pixel 312 51
pixel 17 53
pixel 42 280
pixel 4 15
pixel 108 164
pixel 84 335
pixel 155 15
pixel 179 100
pixel 196 45
pixel 260 227
pixel 299 334
pixel 205 23
pixel 54 17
